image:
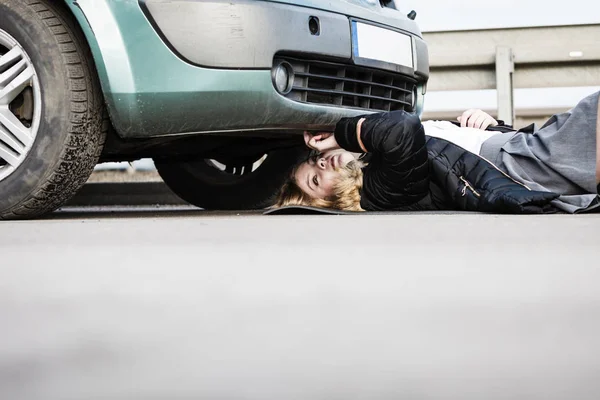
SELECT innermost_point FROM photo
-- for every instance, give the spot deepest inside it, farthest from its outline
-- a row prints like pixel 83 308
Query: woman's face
pixel 317 176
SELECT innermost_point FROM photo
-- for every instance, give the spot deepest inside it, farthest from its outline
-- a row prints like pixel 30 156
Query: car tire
pixel 66 140
pixel 202 184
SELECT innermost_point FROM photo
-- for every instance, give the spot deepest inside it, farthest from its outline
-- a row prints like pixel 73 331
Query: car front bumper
pixel 155 87
pixel 249 34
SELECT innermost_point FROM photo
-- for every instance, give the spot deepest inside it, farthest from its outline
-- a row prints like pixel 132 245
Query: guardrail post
pixel 505 67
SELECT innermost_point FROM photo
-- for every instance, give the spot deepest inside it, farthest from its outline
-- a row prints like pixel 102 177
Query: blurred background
pixel 540 57
pixel 519 60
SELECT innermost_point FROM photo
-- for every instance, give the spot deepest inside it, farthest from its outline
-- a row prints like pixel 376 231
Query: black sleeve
pixel 398 172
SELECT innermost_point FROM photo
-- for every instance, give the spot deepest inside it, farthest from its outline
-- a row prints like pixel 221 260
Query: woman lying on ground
pixel 437 165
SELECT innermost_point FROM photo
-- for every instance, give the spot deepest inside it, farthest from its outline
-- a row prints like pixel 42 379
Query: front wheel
pixel 242 185
pixel 51 125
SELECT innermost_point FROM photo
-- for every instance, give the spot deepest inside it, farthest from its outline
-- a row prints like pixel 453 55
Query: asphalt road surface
pixel 184 304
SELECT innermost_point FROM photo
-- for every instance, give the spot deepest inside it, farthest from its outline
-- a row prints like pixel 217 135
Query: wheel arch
pixel 105 39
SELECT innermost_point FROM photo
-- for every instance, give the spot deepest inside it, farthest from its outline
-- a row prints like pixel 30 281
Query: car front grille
pixel 343 85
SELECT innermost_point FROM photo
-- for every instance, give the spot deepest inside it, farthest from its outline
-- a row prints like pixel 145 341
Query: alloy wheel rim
pixel 237 169
pixel 20 104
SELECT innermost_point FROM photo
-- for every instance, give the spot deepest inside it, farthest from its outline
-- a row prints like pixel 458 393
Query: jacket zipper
pixel 505 174
pixel 471 188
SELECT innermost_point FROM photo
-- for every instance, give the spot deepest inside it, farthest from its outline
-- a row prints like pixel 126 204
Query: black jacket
pixel 410 171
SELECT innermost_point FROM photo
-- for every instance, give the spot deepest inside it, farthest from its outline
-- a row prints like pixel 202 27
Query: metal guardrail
pixel 506 59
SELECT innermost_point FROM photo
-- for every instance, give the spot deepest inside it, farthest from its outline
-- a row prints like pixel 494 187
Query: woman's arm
pixel 398 172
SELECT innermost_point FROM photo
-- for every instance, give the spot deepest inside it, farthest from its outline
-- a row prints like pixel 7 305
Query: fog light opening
pixel 283 77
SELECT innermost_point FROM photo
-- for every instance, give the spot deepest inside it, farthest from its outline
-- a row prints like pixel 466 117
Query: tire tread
pixel 88 119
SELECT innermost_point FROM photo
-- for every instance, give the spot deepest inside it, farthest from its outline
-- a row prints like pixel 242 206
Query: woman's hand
pixel 475 118
pixel 321 141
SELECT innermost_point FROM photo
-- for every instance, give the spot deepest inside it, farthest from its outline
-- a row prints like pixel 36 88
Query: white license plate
pixel 375 43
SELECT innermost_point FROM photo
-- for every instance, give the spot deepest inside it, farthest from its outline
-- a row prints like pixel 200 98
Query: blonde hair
pixel 346 191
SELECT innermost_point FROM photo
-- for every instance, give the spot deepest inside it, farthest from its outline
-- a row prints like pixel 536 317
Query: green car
pixel 216 92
